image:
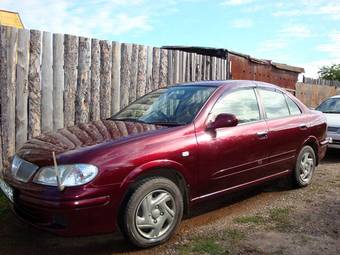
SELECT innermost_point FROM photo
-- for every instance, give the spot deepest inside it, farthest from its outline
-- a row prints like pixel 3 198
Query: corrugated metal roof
pixel 222 53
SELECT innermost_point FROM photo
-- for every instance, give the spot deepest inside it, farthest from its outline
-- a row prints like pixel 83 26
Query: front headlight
pixel 69 175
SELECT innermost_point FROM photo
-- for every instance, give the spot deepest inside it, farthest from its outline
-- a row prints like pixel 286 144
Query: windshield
pixel 176 105
pixel 331 105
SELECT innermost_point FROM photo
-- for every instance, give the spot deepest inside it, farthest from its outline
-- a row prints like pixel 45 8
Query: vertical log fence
pixel 49 81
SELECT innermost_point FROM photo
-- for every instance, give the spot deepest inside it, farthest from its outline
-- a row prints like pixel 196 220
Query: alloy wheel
pixel 306 166
pixel 155 214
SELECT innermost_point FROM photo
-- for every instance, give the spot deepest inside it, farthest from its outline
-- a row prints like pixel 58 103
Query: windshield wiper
pixel 128 119
pixel 330 112
pixel 165 123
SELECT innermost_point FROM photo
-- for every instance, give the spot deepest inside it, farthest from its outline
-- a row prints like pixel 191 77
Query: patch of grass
pixel 203 245
pixel 251 219
pixel 280 217
pixel 233 235
pixel 3 205
pixel 279 214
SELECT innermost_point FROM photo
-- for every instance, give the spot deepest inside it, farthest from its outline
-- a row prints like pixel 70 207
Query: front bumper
pixel 335 140
pixel 66 217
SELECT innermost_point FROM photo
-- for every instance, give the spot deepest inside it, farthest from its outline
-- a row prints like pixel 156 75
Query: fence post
pixel 34 96
pixel 22 88
pixel 70 78
pixel 8 47
pixel 46 84
pixel 125 75
pixel 133 74
pixel 58 81
pixel 105 78
pixel 83 81
pixel 95 80
pixel 116 61
pixel 141 75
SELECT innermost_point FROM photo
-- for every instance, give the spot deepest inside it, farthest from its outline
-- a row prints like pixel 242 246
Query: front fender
pixel 151 165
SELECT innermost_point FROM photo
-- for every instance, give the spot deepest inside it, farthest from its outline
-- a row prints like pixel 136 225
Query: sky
pixel 303 33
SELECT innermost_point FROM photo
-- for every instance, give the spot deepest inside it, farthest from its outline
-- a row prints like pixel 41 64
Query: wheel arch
pixel 170 170
pixel 312 142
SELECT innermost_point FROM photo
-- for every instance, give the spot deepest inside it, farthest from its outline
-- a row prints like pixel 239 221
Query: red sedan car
pixel 146 166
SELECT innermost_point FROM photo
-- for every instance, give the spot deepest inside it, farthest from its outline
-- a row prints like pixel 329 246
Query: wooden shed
pixel 10 19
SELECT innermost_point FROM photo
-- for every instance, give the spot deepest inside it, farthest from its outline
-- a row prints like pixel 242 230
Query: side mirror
pixel 223 120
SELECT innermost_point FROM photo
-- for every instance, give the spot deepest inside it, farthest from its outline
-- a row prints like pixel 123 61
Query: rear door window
pixel 293 108
pixel 274 104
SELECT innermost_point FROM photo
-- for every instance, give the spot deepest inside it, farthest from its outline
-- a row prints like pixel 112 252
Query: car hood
pixel 333 119
pixel 39 150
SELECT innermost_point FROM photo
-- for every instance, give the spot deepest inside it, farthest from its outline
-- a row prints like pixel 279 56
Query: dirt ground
pixel 271 219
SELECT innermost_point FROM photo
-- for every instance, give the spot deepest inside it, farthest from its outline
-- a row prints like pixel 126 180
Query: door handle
pixel 262 134
pixel 303 126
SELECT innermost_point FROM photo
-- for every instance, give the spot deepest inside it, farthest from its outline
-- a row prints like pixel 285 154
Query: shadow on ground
pixel 332 157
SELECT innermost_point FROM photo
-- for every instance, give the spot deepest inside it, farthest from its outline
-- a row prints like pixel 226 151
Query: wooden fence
pixel 49 81
pixel 321 82
pixel 312 95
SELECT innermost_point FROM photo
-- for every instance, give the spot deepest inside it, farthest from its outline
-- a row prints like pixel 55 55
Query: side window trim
pixel 263 115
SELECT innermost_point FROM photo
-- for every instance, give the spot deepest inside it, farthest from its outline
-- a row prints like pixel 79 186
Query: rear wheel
pixel 305 166
pixel 153 212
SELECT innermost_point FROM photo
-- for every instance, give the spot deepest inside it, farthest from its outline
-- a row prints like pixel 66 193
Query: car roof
pixel 232 83
pixel 336 96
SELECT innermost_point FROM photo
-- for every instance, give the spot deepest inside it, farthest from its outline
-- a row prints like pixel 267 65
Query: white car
pixel 331 108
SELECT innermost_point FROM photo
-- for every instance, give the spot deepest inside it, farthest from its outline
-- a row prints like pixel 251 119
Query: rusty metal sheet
pixel 244 69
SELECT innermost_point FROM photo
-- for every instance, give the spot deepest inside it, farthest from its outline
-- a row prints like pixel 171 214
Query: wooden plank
pixel 176 60
pixel 34 96
pixel 163 68
pixel 184 66
pixel 84 80
pixel 149 66
pixel 58 81
pixel 3 81
pixel 95 80
pixel 3 77
pixel 133 74
pixel 218 69
pixel 8 47
pixel 155 68
pixel 170 67
pixel 105 79
pixel 188 67
pixel 199 68
pixel 70 78
pixel 46 84
pixel 180 66
pixel 204 67
pixel 213 68
pixel 208 68
pixel 193 58
pixel 21 121
pixel 223 70
pixel 141 75
pixel 125 74
pixel 115 80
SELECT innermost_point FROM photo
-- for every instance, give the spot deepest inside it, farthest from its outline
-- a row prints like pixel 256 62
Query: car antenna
pixel 61 188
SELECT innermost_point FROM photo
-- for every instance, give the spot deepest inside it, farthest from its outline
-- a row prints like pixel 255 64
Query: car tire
pixel 153 212
pixel 305 167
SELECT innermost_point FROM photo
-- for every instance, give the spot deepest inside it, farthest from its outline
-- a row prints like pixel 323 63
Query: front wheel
pixel 153 212
pixel 305 166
